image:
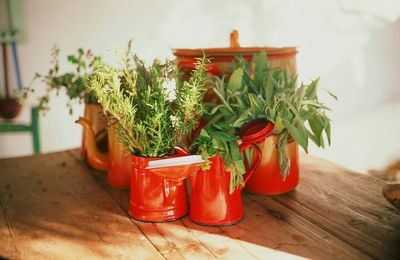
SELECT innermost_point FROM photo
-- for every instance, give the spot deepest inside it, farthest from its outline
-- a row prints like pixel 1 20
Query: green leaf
pixel 223 136
pixel 255 104
pixel 284 159
pixel 243 118
pixel 317 127
pixel 261 66
pixel 299 134
pixel 73 59
pixel 331 94
pixel 215 109
pixel 311 91
pixel 235 80
pixel 328 130
pixel 269 89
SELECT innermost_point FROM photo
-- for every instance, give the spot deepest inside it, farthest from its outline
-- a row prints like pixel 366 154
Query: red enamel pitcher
pixel 267 179
pixel 117 162
pixel 210 201
pixel 154 196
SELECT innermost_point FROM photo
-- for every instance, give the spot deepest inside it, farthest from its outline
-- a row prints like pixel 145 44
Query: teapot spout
pixel 96 159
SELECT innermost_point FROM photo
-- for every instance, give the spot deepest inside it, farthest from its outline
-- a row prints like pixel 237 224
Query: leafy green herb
pixel 74 82
pixel 255 90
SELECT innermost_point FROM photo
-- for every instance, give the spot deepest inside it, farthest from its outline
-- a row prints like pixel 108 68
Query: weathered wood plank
pixel 261 233
pixel 53 206
pixel 349 206
pixel 56 210
pixel 172 239
pixel 270 224
pixel 214 242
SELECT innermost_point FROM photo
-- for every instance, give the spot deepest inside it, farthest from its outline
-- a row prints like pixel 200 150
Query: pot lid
pixel 234 49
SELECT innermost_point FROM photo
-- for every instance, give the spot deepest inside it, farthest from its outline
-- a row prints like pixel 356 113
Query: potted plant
pixel 216 189
pixel 10 106
pixel 74 84
pixel 263 96
pixel 152 122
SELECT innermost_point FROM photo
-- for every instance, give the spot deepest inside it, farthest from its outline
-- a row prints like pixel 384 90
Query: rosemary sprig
pixel 151 123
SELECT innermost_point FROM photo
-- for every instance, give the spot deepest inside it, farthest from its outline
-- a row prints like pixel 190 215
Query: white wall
pixel 355 52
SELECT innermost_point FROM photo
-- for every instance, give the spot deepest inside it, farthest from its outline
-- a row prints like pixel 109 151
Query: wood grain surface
pixel 54 207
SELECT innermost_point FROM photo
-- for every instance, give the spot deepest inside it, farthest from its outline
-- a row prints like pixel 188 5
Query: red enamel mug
pixel 267 179
pixel 210 202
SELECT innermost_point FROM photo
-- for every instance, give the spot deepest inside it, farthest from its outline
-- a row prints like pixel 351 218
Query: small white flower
pixel 173 120
pixel 170 86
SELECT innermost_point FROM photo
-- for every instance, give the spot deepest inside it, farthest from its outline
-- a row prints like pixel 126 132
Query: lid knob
pixel 234 39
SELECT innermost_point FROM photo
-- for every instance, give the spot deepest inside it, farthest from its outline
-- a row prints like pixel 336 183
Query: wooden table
pixel 53 206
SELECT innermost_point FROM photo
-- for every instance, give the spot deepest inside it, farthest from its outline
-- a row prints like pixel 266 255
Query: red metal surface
pixel 190 64
pixel 210 201
pixel 255 131
pixel 187 58
pixel 267 179
pixel 153 198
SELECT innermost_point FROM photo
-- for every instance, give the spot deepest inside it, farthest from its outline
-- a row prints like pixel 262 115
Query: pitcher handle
pixel 256 159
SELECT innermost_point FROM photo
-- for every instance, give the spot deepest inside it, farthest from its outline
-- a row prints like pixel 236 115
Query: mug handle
pixel 256 159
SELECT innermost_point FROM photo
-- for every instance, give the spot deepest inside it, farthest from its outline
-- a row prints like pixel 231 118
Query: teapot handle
pixel 256 159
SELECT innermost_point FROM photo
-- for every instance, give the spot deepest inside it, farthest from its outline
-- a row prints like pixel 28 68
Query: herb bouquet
pixel 256 93
pixel 151 121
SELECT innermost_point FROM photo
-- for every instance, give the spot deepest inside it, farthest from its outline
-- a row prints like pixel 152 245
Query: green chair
pixel 33 128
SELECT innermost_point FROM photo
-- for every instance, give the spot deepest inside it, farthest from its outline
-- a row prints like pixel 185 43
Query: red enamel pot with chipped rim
pixel 211 203
pixel 267 179
pixel 154 198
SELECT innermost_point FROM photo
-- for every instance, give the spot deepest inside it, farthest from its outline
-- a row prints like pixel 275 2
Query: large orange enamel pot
pixel 210 201
pixel 221 59
pixel 267 179
pixel 154 198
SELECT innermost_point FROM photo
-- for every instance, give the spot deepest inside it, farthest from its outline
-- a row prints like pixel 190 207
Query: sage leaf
pixel 283 158
pixel 235 80
pixel 311 92
pixel 298 133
